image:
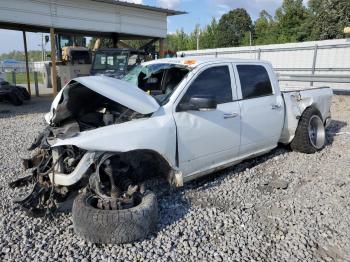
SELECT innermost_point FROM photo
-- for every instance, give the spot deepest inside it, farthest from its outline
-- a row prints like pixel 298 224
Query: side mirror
pixel 198 103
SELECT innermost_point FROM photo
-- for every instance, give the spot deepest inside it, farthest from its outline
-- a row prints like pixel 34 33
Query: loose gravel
pixel 284 206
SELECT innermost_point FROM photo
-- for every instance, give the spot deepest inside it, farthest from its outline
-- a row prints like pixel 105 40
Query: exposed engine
pixel 114 180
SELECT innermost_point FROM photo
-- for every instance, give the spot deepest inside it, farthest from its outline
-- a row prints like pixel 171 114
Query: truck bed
pixel 296 100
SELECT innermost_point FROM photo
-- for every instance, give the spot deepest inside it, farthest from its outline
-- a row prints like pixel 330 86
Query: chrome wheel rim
pixel 316 132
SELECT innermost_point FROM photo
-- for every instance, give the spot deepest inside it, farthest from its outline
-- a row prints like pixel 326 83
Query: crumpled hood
pixel 117 90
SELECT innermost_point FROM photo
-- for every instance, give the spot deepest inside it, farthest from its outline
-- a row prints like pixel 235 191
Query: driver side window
pixel 214 81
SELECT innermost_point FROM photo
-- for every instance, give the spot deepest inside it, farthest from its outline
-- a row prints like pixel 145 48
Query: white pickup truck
pixel 176 119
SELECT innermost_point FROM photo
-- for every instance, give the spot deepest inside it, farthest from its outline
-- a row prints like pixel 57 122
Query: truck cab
pixel 116 62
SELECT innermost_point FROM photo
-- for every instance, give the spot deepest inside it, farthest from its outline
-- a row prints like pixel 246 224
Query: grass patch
pixel 21 78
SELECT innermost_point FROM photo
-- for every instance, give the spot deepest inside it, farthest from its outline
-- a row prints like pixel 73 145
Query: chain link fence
pixel 15 73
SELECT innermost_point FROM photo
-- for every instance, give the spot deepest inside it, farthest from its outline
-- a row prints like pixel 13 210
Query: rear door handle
pixel 230 115
pixel 276 106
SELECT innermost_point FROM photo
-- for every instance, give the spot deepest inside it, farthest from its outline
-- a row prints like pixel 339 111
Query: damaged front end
pixel 45 196
pixel 60 172
pixel 115 181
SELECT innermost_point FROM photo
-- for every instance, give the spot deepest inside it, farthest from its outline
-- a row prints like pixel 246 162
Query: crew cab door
pixel 262 107
pixel 208 138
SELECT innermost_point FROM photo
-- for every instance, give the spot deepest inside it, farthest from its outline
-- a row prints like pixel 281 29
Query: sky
pixel 199 12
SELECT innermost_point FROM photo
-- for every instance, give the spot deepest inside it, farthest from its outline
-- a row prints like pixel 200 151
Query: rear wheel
pixel 310 135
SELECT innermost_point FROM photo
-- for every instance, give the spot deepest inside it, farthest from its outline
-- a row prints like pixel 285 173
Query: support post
pixel 26 57
pixel 14 77
pixel 313 69
pixel 53 61
pixel 115 39
pixel 161 48
pixel 36 83
pixel 259 53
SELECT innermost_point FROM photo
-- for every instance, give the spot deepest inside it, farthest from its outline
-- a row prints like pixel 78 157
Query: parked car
pixel 12 93
pixel 170 119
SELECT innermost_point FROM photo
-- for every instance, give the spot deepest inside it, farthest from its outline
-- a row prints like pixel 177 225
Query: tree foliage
pixel 265 29
pixel 233 27
pixel 20 56
pixel 209 36
pixel 292 22
pixel 329 17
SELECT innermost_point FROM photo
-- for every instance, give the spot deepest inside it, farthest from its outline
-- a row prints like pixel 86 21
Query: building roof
pixel 169 12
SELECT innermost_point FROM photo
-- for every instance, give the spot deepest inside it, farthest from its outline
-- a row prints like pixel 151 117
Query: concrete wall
pixel 329 57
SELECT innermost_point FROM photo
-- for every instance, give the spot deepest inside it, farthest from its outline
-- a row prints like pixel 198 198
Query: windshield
pixel 116 62
pixel 159 80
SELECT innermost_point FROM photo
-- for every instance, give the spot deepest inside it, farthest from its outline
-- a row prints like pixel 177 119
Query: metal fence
pixel 15 73
pixel 20 67
pixel 317 63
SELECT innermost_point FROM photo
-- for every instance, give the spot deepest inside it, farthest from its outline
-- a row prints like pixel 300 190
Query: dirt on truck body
pixel 167 119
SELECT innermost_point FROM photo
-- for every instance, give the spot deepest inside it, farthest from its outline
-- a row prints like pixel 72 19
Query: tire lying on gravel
pixel 114 226
pixel 310 135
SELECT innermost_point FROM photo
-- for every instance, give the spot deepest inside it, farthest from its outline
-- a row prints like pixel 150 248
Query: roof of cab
pixel 194 61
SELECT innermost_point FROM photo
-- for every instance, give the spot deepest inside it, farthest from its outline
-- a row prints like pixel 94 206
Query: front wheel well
pixel 145 164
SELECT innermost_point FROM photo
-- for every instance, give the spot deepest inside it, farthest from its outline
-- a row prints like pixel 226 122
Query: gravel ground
pixel 284 206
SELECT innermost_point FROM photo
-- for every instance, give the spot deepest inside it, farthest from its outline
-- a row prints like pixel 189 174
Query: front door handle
pixel 230 115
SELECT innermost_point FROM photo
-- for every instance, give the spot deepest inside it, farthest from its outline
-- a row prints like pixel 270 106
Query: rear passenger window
pixel 214 81
pixel 254 80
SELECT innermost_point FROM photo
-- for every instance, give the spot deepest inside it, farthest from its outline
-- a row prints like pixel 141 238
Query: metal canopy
pixel 109 18
pixel 87 17
pixel 169 12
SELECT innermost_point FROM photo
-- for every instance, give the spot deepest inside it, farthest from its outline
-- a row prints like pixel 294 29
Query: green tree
pixel 192 38
pixel 329 17
pixel 33 56
pixel 233 26
pixel 292 22
pixel 265 29
pixel 209 35
pixel 178 40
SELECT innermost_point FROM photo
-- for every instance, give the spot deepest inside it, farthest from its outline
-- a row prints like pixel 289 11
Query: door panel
pixel 209 137
pixel 261 124
pixel 206 138
pixel 262 108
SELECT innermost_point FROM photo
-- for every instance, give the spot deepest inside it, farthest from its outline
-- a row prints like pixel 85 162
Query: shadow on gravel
pixel 334 127
pixel 174 204
pixel 33 106
pixel 215 179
